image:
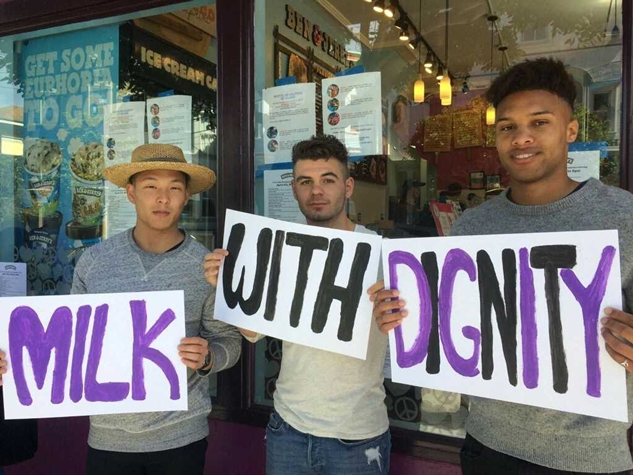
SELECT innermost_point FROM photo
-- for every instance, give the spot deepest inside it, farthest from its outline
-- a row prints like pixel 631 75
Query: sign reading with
pixel 304 284
pixel 541 346
pixel 76 355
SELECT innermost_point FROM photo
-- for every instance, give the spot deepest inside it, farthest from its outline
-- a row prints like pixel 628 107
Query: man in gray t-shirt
pixel 534 101
pixel 330 415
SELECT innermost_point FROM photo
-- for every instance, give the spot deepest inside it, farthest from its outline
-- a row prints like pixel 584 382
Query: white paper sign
pixel 169 121
pixel 75 355
pixel 123 131
pixel 12 279
pixel 300 283
pixel 352 112
pixel 524 351
pixel 289 116
pixel 582 165
pixel 279 202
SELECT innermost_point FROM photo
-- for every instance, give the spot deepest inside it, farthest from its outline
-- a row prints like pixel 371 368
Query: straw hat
pixel 160 157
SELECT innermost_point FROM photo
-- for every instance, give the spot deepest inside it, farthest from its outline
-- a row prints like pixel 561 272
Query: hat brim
pixel 201 178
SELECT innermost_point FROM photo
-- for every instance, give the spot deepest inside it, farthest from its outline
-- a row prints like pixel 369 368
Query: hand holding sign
pixel 388 308
pixel 617 332
pixel 212 263
pixel 193 352
pixel 3 365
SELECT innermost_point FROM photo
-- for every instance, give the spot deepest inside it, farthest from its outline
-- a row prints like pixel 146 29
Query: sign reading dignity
pixel 304 284
pixel 541 346
pixel 113 353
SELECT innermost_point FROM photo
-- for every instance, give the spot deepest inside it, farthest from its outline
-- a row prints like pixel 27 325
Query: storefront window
pixel 436 155
pixel 77 99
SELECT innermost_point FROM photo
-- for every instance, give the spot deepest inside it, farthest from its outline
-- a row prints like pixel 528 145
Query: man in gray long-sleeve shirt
pixel 157 255
pixel 534 126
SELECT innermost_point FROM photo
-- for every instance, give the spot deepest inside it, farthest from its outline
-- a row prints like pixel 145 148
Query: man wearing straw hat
pixel 157 255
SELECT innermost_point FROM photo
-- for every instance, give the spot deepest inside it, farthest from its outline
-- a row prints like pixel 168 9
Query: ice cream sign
pixel 69 73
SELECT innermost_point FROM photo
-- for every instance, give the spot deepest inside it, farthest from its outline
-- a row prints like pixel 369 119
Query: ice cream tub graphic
pixel 42 160
pixel 88 195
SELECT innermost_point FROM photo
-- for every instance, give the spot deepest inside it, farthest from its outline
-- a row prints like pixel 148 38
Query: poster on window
pixel 510 317
pixel 68 79
pixel 583 164
pixel 169 121
pixel 279 201
pixel 123 131
pixel 352 112
pixel 288 117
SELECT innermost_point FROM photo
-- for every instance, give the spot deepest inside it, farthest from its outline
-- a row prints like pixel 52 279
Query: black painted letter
pixel 489 295
pixel 349 296
pixel 308 245
pixel 251 305
pixel 552 258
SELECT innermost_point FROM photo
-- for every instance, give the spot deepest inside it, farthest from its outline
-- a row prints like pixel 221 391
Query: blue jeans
pixel 290 452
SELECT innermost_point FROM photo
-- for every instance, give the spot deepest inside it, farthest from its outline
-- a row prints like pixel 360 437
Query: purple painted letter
pixel 417 353
pixel 590 299
pixel 457 260
pixel 142 350
pixel 529 331
pixel 96 391
pixel 26 331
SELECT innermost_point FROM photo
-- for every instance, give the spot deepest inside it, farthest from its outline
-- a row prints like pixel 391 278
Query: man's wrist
pixel 208 361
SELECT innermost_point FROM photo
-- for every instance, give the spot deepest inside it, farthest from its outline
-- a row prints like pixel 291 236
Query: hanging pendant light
pixel 418 86
pixel 446 90
pixel 491 113
pixel 418 90
pixel 388 11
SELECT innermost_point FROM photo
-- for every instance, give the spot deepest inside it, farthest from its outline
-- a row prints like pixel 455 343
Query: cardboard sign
pixel 76 355
pixel 300 283
pixel 510 317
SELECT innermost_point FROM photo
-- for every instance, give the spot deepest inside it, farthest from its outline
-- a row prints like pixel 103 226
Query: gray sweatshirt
pixel 119 265
pixel 559 440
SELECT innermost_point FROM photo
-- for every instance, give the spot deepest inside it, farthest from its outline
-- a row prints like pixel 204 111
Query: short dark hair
pixel 545 74
pixel 321 147
pixel 132 179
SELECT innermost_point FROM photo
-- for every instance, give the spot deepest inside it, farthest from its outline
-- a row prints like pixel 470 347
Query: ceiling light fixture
pixel 388 11
pixel 379 6
pixel 490 111
pixel 418 86
pixel 446 88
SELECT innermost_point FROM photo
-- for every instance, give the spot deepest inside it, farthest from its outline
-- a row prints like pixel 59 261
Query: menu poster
pixel 169 121
pixel 123 131
pixel 279 202
pixel 352 112
pixel 289 117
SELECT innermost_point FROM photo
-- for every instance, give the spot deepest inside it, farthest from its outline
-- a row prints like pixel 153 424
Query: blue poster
pixel 67 80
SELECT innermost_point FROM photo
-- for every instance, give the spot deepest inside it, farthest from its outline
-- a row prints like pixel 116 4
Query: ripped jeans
pixel 290 452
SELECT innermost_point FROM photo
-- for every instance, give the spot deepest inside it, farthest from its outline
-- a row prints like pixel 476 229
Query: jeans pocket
pixel 358 443
pixel 275 423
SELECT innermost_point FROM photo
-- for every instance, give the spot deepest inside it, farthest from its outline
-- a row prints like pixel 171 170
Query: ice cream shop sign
pixel 312 32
